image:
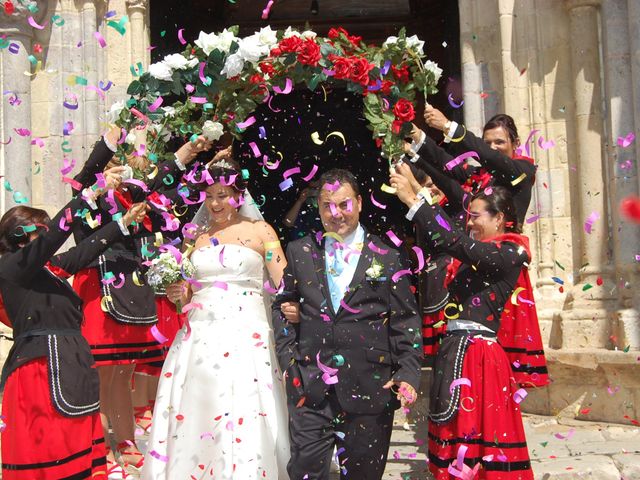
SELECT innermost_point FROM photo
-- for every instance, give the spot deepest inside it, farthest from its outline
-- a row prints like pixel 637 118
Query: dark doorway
pixel 292 118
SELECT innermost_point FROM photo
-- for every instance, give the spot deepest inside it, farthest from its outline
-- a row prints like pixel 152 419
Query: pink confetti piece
pixel 400 273
pixel 185 198
pixel 67 128
pixel 566 436
pixel 525 146
pixel 377 203
pixel 221 285
pixel 348 308
pixel 461 158
pixel 287 88
pixel 332 187
pixel 394 238
pixel 458 468
pixel 443 223
pixel 23 132
pixel 273 291
pixel 334 209
pixel 189 88
pixel 325 317
pixel 236 203
pixel 329 375
pixel 157 334
pixel 229 426
pixel 198 100
pixel 74 183
pixel 247 123
pixel 63 224
pixel 627 140
pixel 519 395
pixel 267 10
pixel 138 183
pixel 204 79
pixel 185 309
pixel 290 172
pixel 140 115
pixel 374 248
pixel 349 205
pixel 35 24
pixel 181 37
pixel 38 141
pixel 221 257
pixel 228 181
pixel 591 219
pixel 101 41
pixel 312 173
pixel 545 145
pixel 532 219
pixel 156 104
pixel 162 458
pixel 111 201
pixel 420 255
pixel 459 381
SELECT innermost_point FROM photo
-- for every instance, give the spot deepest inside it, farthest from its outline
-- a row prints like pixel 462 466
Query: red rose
pixel 8 7
pixel 403 110
pixel 355 39
pixel 256 79
pixel 378 142
pixel 291 44
pixel 267 68
pixel 385 88
pixel 360 69
pixel 275 52
pixel 335 32
pixel 396 126
pixel 401 74
pixel 309 52
pixel 341 67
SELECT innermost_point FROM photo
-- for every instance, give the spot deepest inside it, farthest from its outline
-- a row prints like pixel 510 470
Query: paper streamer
pixel 181 37
pixel 459 381
pixel 35 24
pixel 348 308
pixel 453 103
pixel 315 137
pixel 267 10
pixel 377 203
pixel 287 88
pixel 374 248
pixel 461 158
pixel 101 41
pixel 247 123
pixel 394 238
pixel 443 223
pixel 519 395
pixel 399 274
pixel 420 255
pixel 312 173
pixel 329 374
pixel 156 104
pixel 627 140
pixel 290 172
pixel 186 308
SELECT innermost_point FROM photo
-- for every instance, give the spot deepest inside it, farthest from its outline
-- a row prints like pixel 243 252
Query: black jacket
pixel 379 342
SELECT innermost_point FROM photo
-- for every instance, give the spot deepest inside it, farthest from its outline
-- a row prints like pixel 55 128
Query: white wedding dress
pixel 220 410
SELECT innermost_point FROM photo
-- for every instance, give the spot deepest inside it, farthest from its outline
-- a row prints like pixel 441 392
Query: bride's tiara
pixel 223 164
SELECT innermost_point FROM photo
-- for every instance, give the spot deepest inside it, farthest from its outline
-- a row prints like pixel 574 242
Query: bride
pixel 220 410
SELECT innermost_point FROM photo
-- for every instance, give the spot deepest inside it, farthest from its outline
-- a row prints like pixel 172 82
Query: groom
pixel 355 354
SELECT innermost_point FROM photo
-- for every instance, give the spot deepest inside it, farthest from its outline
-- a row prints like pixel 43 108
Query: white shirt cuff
pixel 180 165
pixel 417 146
pixel 109 145
pixel 451 132
pixel 412 211
pixel 88 196
pixel 123 227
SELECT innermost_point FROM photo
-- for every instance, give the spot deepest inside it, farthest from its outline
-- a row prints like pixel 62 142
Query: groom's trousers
pixel 362 441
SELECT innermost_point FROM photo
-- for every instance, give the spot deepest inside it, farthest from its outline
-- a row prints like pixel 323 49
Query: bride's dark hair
pixel 223 171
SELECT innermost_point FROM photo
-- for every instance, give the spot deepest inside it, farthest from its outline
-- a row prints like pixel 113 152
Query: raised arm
pixel 98 159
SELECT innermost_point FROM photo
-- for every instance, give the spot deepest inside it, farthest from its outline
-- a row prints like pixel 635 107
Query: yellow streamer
pixel 388 189
pixel 514 295
pixel 333 235
pixel 103 303
pixel 451 305
pixel 315 137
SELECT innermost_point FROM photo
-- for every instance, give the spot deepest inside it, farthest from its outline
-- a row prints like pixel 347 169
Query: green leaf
pixel 135 88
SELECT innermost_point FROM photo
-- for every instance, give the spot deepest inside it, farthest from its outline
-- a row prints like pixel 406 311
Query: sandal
pixel 140 417
pixel 130 468
pixel 115 470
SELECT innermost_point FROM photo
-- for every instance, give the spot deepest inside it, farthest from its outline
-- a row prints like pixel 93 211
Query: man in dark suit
pixel 354 356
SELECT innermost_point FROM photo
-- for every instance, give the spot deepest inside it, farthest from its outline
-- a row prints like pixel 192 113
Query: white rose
pixel 164 132
pixel 176 61
pixel 161 71
pixel 114 111
pixel 169 111
pixel 251 49
pixel 212 130
pixel 131 138
pixel 290 32
pixel 433 67
pixel 233 65
pixel 192 62
pixel 208 42
pixel 415 44
pixel 267 36
pixel 308 34
pixel 390 41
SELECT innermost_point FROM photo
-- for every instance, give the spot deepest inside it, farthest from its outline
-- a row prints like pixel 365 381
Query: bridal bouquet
pixel 166 269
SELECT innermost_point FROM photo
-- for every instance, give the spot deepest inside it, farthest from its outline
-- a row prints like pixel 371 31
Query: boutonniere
pixel 375 270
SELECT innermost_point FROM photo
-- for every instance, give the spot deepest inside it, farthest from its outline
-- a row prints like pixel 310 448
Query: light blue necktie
pixel 337 267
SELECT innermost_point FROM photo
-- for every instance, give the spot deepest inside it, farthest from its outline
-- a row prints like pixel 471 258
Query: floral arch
pixel 224 78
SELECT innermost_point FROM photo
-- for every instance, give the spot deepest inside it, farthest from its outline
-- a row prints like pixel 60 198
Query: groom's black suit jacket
pixel 379 342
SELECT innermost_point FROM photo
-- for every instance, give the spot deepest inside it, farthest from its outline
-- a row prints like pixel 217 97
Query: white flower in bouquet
pixel 212 130
pixel 169 111
pixel 161 71
pixel 208 42
pixel 165 270
pixel 163 131
pixel 415 44
pixel 176 61
pixel 308 34
pixel 433 68
pixel 131 138
pixel 114 112
pixel 390 41
pixel 233 65
pixel 267 37
pixel 290 32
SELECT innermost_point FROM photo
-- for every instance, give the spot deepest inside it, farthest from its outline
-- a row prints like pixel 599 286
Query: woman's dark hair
pixel 226 169
pixel 505 121
pixel 500 200
pixel 341 176
pixel 12 231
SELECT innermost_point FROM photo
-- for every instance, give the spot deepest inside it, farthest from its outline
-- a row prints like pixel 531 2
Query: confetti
pixel 627 140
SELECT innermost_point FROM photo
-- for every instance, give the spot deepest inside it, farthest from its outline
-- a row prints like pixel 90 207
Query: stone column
pixel 138 13
pixel 622 165
pixel 588 324
pixel 15 151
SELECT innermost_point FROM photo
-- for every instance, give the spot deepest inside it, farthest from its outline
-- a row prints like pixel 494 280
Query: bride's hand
pixel 178 292
pixel 291 311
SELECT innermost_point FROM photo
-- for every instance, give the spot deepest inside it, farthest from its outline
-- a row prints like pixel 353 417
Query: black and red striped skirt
pixel 40 444
pixel 111 342
pixel 488 421
pixel 431 336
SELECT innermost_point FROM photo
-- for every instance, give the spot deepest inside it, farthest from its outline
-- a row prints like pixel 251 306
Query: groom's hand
pixel 405 392
pixel 291 311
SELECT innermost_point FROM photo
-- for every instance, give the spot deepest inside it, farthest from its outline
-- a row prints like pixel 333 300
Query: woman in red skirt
pixel 119 307
pixel 51 397
pixel 475 419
